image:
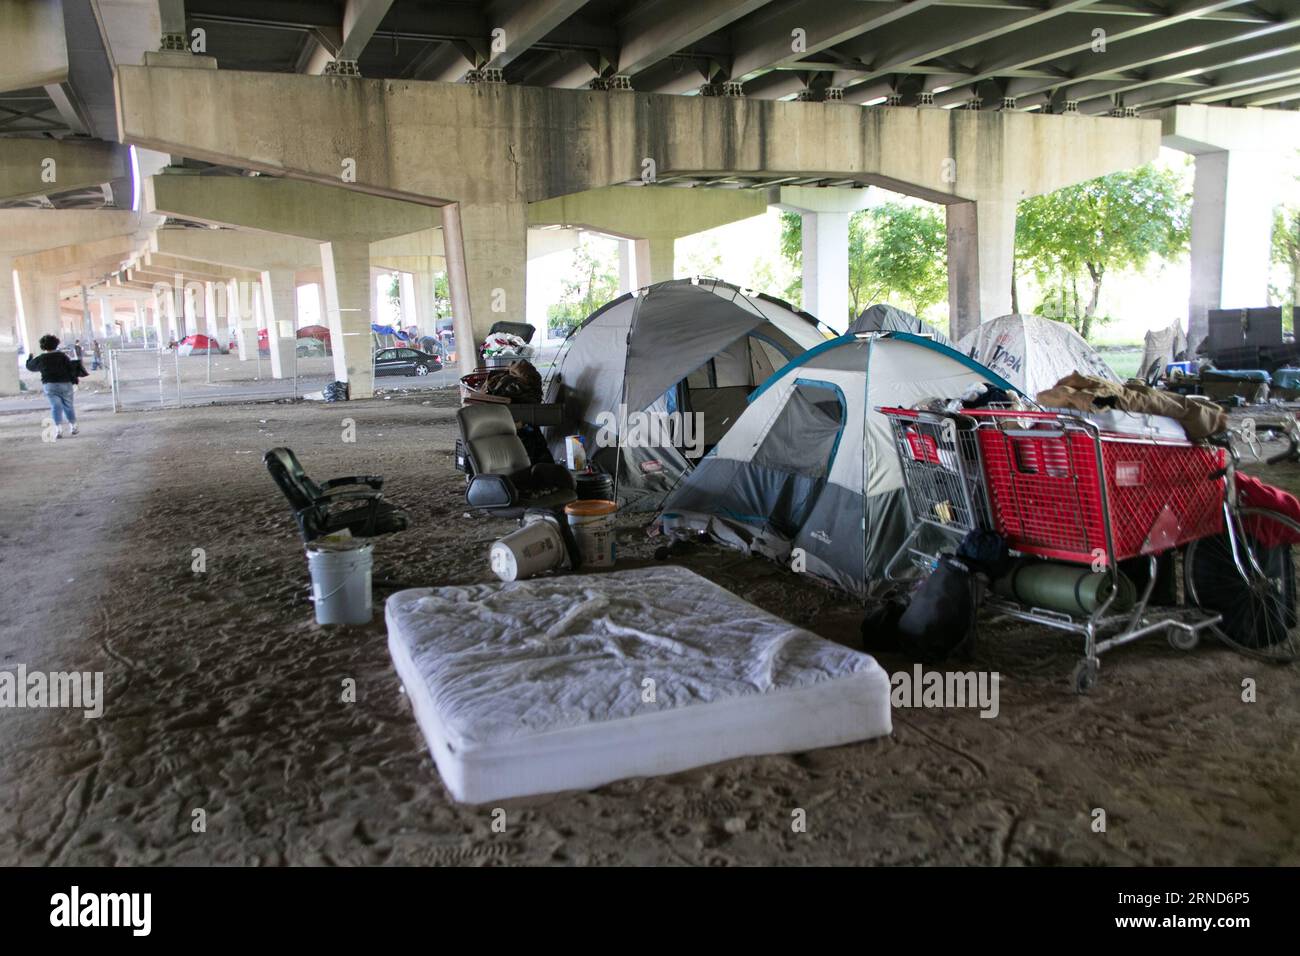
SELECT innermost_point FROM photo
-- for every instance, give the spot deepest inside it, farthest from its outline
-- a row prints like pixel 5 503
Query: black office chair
pixel 503 481
pixel 322 509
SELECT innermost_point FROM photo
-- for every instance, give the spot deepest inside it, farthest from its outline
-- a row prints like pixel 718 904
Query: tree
pixel 1286 250
pixel 592 281
pixel 896 250
pixel 1101 226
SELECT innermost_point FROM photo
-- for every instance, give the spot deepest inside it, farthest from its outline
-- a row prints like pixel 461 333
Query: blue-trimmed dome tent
pixel 811 464
pixel 687 346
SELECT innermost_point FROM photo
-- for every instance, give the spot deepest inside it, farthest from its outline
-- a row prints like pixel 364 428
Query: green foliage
pixel 1105 225
pixel 896 251
pixel 592 282
pixel 1286 252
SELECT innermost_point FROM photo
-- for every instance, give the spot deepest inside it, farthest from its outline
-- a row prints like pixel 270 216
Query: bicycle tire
pixel 1259 609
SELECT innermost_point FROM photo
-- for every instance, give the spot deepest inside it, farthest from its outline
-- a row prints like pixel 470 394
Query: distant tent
pixel 388 330
pixel 315 332
pixel 1161 347
pixel 882 317
pixel 684 346
pixel 811 464
pixel 1033 353
pixel 198 345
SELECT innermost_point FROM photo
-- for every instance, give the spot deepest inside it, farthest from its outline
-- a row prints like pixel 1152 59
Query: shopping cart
pixel 1057 487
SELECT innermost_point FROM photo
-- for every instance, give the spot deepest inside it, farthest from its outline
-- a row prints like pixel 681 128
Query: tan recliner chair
pixel 502 479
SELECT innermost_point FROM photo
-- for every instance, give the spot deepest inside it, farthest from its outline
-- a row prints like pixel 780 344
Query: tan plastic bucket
pixel 592 524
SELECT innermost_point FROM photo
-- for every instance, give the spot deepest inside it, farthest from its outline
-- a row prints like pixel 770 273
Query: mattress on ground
pixel 572 682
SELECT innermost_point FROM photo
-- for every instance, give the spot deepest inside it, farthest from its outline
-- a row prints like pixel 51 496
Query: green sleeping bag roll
pixel 1063 587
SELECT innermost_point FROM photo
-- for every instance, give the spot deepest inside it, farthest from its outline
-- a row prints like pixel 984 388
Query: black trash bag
pixel 986 553
pixel 880 627
pixel 940 618
pixel 336 392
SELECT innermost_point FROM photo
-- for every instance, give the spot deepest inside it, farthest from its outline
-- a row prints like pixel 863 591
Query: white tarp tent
pixel 1033 353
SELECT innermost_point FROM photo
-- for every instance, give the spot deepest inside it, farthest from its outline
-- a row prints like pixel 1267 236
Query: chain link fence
pixel 150 378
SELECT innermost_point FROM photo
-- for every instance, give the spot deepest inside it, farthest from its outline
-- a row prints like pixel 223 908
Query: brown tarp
pixel 1199 418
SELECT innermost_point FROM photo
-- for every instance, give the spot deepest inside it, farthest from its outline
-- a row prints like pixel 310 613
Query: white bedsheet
pixel 571 682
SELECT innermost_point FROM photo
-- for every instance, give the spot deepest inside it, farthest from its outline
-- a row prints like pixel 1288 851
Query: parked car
pixel 405 361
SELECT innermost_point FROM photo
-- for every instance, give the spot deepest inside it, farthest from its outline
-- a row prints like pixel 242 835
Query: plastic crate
pixel 1044 488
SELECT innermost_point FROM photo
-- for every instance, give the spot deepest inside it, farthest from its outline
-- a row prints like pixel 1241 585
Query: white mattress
pixel 536 686
pixel 1136 424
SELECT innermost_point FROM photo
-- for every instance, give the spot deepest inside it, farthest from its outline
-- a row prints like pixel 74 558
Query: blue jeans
pixel 59 395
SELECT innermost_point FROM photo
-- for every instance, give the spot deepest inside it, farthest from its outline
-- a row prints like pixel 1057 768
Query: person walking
pixel 59 375
pixel 96 357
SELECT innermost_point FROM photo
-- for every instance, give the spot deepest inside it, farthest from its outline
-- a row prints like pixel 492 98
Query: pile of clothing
pixel 502 342
pixel 1199 417
pixel 520 382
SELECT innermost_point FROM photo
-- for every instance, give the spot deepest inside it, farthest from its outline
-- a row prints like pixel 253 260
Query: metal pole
pixel 177 356
pixel 112 378
pixel 209 360
pixel 162 401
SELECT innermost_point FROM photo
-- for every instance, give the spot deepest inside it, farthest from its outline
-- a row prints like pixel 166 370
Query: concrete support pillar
pixel 826 267
pixel 377 278
pixel 156 307
pixel 424 301
pixel 406 305
pixel 87 323
pixel 487 268
pixel 626 266
pixel 280 318
pixel 10 328
pixel 981 246
pixel 239 307
pixel 654 260
pixel 189 310
pixel 107 317
pixel 1233 197
pixel 137 315
pixel 347 288
pixel 39 314
pixel 208 322
pixel 173 309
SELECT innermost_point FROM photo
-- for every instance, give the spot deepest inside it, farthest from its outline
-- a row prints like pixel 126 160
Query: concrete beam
pixel 33 44
pixel 642 212
pixel 484 144
pixel 39 167
pixel 286 206
pixel 238 248
pixel 70 260
pixel 24 231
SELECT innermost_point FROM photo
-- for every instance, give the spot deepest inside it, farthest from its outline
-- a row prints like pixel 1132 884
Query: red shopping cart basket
pixel 1056 483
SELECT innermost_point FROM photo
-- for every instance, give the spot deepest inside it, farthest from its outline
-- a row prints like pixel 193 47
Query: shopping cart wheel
pixel 1182 640
pixel 1085 675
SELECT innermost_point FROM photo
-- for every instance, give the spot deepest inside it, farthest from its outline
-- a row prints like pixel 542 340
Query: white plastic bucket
pixel 534 548
pixel 592 524
pixel 340 582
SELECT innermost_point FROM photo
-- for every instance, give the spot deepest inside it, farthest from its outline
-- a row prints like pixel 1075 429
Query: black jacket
pixel 55 368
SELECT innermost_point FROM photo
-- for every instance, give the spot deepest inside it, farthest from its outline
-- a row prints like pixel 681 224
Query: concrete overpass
pixel 483 122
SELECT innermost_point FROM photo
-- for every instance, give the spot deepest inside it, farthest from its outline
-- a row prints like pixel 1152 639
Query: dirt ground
pixel 224 696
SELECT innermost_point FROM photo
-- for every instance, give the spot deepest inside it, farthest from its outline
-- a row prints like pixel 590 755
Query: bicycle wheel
pixel 1257 599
